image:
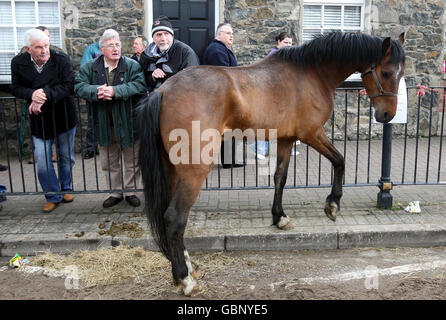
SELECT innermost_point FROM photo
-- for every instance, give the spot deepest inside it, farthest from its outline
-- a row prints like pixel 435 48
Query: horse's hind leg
pixel 175 218
pixel 321 143
pixel 280 219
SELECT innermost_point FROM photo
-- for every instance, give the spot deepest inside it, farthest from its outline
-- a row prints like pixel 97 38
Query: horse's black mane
pixel 354 48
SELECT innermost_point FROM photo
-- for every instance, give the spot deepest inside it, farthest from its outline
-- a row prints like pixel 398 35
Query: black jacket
pixel 178 57
pixel 217 54
pixel 57 80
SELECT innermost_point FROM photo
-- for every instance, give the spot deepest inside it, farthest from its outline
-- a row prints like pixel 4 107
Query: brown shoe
pixel 49 206
pixel 67 198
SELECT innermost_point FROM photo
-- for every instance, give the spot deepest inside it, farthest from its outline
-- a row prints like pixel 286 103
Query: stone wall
pixel 85 21
pixel 256 23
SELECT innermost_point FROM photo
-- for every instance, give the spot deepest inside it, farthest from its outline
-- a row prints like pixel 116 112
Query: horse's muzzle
pixel 383 116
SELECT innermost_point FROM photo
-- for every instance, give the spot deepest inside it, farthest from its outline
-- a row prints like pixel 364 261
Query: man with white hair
pixel 165 56
pixel 113 84
pixel 45 78
pixel 139 45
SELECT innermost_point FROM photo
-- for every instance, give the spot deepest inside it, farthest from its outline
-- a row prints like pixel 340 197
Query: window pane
pixel 5 63
pixel 352 16
pixel 308 34
pixel 55 37
pixel 7 38
pixel 25 13
pixel 332 16
pixel 21 36
pixel 5 13
pixel 48 13
pixel 312 16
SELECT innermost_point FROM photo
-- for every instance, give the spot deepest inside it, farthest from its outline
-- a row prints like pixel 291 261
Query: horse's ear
pixel 401 38
pixel 386 47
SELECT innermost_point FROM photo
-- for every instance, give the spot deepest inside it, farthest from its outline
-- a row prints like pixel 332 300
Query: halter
pixel 372 69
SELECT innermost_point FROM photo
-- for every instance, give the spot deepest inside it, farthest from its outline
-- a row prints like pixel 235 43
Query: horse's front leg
pixel 332 204
pixel 321 143
pixel 280 219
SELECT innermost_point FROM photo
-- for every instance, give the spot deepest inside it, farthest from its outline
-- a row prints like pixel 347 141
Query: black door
pixel 192 20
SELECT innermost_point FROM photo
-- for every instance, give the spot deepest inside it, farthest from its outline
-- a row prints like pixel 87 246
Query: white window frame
pixel 18 43
pixel 346 3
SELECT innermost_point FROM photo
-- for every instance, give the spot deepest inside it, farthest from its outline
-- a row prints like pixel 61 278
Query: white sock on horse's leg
pixel 188 262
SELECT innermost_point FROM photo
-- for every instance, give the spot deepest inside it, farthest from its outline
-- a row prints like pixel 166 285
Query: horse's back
pixel 268 94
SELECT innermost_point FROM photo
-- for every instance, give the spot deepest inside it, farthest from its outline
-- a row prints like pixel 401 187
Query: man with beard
pixel 165 56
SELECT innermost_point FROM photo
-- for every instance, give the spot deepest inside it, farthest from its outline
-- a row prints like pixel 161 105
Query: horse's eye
pixel 385 74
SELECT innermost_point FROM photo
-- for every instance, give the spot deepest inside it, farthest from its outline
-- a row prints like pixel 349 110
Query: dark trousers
pixel 91 142
pixel 227 144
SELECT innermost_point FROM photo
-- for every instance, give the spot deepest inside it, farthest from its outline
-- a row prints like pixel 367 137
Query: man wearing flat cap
pixel 165 56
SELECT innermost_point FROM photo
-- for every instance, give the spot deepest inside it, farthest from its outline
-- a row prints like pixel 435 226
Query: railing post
pixel 385 184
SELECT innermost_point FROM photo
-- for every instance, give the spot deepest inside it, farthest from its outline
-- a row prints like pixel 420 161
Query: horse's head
pixel 381 80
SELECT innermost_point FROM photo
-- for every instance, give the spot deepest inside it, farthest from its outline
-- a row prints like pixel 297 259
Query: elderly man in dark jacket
pixel 219 52
pixel 113 84
pixel 165 56
pixel 45 79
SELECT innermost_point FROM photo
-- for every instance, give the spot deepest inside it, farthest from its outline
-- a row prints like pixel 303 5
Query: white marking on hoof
pixel 283 223
pixel 189 285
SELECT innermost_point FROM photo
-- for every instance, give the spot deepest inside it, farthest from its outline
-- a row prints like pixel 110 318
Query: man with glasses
pixel 165 56
pixel 113 84
pixel 219 53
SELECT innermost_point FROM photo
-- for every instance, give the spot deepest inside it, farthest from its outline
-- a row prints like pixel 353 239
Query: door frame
pixel 148 16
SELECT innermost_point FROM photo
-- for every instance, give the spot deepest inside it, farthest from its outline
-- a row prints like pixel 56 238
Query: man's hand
pixel 106 92
pixel 39 96
pixel 35 107
pixel 158 74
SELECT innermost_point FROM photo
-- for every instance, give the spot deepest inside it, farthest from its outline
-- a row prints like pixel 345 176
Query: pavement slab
pixel 231 220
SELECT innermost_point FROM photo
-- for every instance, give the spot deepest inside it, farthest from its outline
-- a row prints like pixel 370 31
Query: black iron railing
pixel 415 157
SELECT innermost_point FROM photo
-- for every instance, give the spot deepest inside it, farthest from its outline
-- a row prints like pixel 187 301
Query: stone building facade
pixel 257 22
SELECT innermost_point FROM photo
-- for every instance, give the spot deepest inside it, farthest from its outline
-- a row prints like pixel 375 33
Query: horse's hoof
pixel 195 290
pixel 331 210
pixel 284 223
pixel 190 286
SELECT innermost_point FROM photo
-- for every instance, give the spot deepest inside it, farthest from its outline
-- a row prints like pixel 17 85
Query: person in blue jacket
pixel 90 53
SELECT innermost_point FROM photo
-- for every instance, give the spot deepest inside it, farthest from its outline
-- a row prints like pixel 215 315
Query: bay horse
pixel 291 91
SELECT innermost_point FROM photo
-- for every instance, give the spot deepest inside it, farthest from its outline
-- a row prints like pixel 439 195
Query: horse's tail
pixel 153 171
